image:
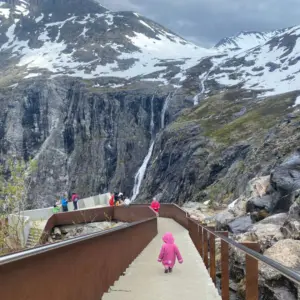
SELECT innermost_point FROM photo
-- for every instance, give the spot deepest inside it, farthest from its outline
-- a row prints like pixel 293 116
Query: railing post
pixel 212 255
pixel 224 267
pixel 205 247
pixel 200 230
pixel 252 273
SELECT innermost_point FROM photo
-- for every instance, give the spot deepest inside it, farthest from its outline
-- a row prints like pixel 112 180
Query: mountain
pixel 244 40
pixel 88 41
pixel 272 67
pixel 110 101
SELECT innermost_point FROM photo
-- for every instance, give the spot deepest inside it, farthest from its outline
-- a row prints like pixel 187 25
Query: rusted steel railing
pixel 80 268
pixel 85 267
pixel 176 213
pixel 127 214
pixel 204 239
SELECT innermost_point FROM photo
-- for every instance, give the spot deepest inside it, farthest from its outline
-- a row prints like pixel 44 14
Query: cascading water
pixel 141 173
pixel 152 119
pixel 142 170
pixel 164 109
pixel 200 95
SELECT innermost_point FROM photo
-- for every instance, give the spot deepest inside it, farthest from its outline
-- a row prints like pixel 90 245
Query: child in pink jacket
pixel 169 252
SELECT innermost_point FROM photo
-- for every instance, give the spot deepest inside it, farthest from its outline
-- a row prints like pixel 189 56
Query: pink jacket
pixel 155 205
pixel 169 251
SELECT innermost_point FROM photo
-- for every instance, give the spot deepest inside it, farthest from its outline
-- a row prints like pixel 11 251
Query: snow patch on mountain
pixel 297 102
pixel 40 18
pixel 272 67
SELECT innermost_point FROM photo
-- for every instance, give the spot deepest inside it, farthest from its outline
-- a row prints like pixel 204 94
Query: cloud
pixel 207 21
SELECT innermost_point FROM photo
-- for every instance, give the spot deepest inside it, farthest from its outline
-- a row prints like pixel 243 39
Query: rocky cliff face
pixel 83 140
pixel 210 152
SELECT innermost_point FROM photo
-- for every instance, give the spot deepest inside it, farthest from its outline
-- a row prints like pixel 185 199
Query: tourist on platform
pixel 127 202
pixel 75 199
pixel 155 205
pixel 117 199
pixel 64 203
pixel 168 253
pixel 121 198
pixel 55 209
pixel 112 200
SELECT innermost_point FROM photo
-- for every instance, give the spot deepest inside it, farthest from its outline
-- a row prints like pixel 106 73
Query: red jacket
pixel 74 197
pixel 112 200
pixel 155 205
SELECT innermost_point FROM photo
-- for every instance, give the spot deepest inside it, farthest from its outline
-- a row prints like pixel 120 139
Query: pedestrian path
pixel 145 278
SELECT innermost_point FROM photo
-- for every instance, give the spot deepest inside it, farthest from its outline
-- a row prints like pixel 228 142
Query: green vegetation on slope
pixel 228 120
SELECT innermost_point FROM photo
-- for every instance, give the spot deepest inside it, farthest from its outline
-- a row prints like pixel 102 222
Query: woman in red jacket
pixel 112 200
pixel 155 205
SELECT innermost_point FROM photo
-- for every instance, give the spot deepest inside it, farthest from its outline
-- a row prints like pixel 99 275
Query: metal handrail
pixel 290 274
pixel 42 249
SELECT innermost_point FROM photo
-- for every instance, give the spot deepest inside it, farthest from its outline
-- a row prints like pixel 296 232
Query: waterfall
pixel 164 109
pixel 142 170
pixel 152 118
pixel 139 176
pixel 201 88
pixel 141 173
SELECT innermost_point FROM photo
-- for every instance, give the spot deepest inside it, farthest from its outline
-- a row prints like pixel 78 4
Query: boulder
pixel 50 240
pixel 291 229
pixel 278 293
pixel 257 187
pixel 277 219
pixel 240 224
pixel 266 234
pixel 64 229
pixel 238 207
pixel 260 215
pixel 285 179
pixel 294 211
pixel 69 236
pixel 223 219
pixel 198 216
pixel 260 203
pixel 57 232
pixel 285 252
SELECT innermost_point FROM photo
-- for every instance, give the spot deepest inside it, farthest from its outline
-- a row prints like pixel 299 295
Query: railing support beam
pixel 224 267
pixel 252 273
pixel 205 247
pixel 212 255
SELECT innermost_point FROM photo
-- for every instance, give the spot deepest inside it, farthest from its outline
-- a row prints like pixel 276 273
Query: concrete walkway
pixel 145 278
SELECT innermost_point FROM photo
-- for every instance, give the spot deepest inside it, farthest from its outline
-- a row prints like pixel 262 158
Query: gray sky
pixel 205 22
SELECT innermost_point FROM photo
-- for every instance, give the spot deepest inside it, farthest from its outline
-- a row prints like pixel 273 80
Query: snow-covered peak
pixel 244 40
pixel 270 68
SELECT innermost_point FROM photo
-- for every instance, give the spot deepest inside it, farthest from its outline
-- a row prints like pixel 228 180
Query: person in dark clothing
pixel 75 199
pixel 116 199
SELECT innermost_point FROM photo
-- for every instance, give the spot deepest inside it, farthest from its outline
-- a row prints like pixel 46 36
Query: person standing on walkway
pixel 168 253
pixel 127 202
pixel 112 200
pixel 55 209
pixel 64 203
pixel 116 199
pixel 75 199
pixel 155 205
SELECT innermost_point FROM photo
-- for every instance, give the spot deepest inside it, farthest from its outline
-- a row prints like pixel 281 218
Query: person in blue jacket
pixel 64 203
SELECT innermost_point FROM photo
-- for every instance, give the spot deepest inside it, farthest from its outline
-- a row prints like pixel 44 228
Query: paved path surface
pixel 145 278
